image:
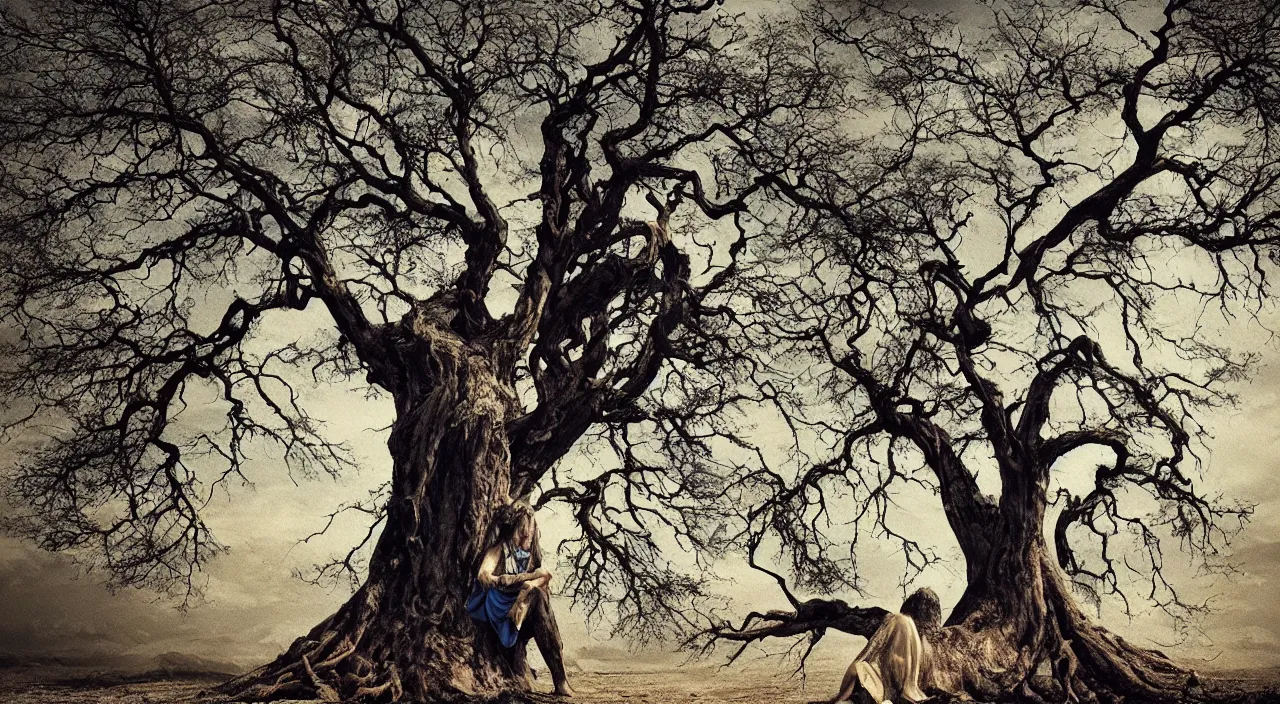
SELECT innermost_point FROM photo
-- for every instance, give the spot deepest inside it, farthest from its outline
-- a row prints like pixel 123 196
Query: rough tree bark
pixel 405 633
pixel 1018 630
pixel 927 319
pixel 347 154
pixel 1017 633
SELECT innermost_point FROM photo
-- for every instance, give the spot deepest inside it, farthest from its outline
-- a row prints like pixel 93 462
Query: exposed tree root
pixel 1070 660
pixel 334 668
pixel 1000 651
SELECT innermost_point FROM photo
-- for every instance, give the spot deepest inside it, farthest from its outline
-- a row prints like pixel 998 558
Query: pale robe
pixel 889 667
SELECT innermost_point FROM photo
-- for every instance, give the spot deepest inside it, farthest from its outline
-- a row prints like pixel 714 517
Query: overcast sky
pixel 255 606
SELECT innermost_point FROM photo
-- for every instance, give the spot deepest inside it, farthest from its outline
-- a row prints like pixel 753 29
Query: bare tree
pixel 178 174
pixel 1017 268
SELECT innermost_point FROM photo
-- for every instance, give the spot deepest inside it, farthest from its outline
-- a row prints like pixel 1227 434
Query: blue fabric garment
pixel 491 605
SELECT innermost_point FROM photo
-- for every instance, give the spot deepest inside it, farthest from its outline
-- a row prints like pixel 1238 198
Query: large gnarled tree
pixel 1014 271
pixel 506 209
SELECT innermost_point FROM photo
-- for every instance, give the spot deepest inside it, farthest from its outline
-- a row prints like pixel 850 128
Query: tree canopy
pixel 631 228
pixel 1014 259
pixel 539 179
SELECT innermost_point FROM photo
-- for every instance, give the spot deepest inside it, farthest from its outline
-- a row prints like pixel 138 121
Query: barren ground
pixel 56 684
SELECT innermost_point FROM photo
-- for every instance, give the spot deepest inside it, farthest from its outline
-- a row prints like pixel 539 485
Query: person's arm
pixel 540 579
pixel 489 565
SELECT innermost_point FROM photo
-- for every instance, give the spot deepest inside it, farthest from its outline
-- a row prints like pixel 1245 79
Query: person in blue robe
pixel 511 595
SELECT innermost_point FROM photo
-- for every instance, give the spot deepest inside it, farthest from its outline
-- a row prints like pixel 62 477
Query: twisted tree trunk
pixel 405 634
pixel 1017 632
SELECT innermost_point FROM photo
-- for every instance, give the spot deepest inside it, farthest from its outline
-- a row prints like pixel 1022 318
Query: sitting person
pixel 896 660
pixel 511 594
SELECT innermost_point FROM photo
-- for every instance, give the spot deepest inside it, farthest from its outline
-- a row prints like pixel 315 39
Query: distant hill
pixel 172 664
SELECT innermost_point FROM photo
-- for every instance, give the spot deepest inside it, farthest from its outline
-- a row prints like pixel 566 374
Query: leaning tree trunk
pixel 1018 633
pixel 405 634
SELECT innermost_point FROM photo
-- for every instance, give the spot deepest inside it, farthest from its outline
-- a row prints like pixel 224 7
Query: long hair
pixel 924 608
pixel 508 519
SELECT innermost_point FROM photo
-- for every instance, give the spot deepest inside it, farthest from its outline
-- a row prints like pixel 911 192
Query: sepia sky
pixel 255 606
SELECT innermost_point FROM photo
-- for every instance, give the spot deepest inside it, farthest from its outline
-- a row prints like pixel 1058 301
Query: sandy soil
pixel 700 685
pixel 64 685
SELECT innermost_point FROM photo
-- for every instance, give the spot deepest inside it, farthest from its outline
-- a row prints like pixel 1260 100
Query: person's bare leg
pixel 519 660
pixel 520 609
pixel 527 628
pixel 546 633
